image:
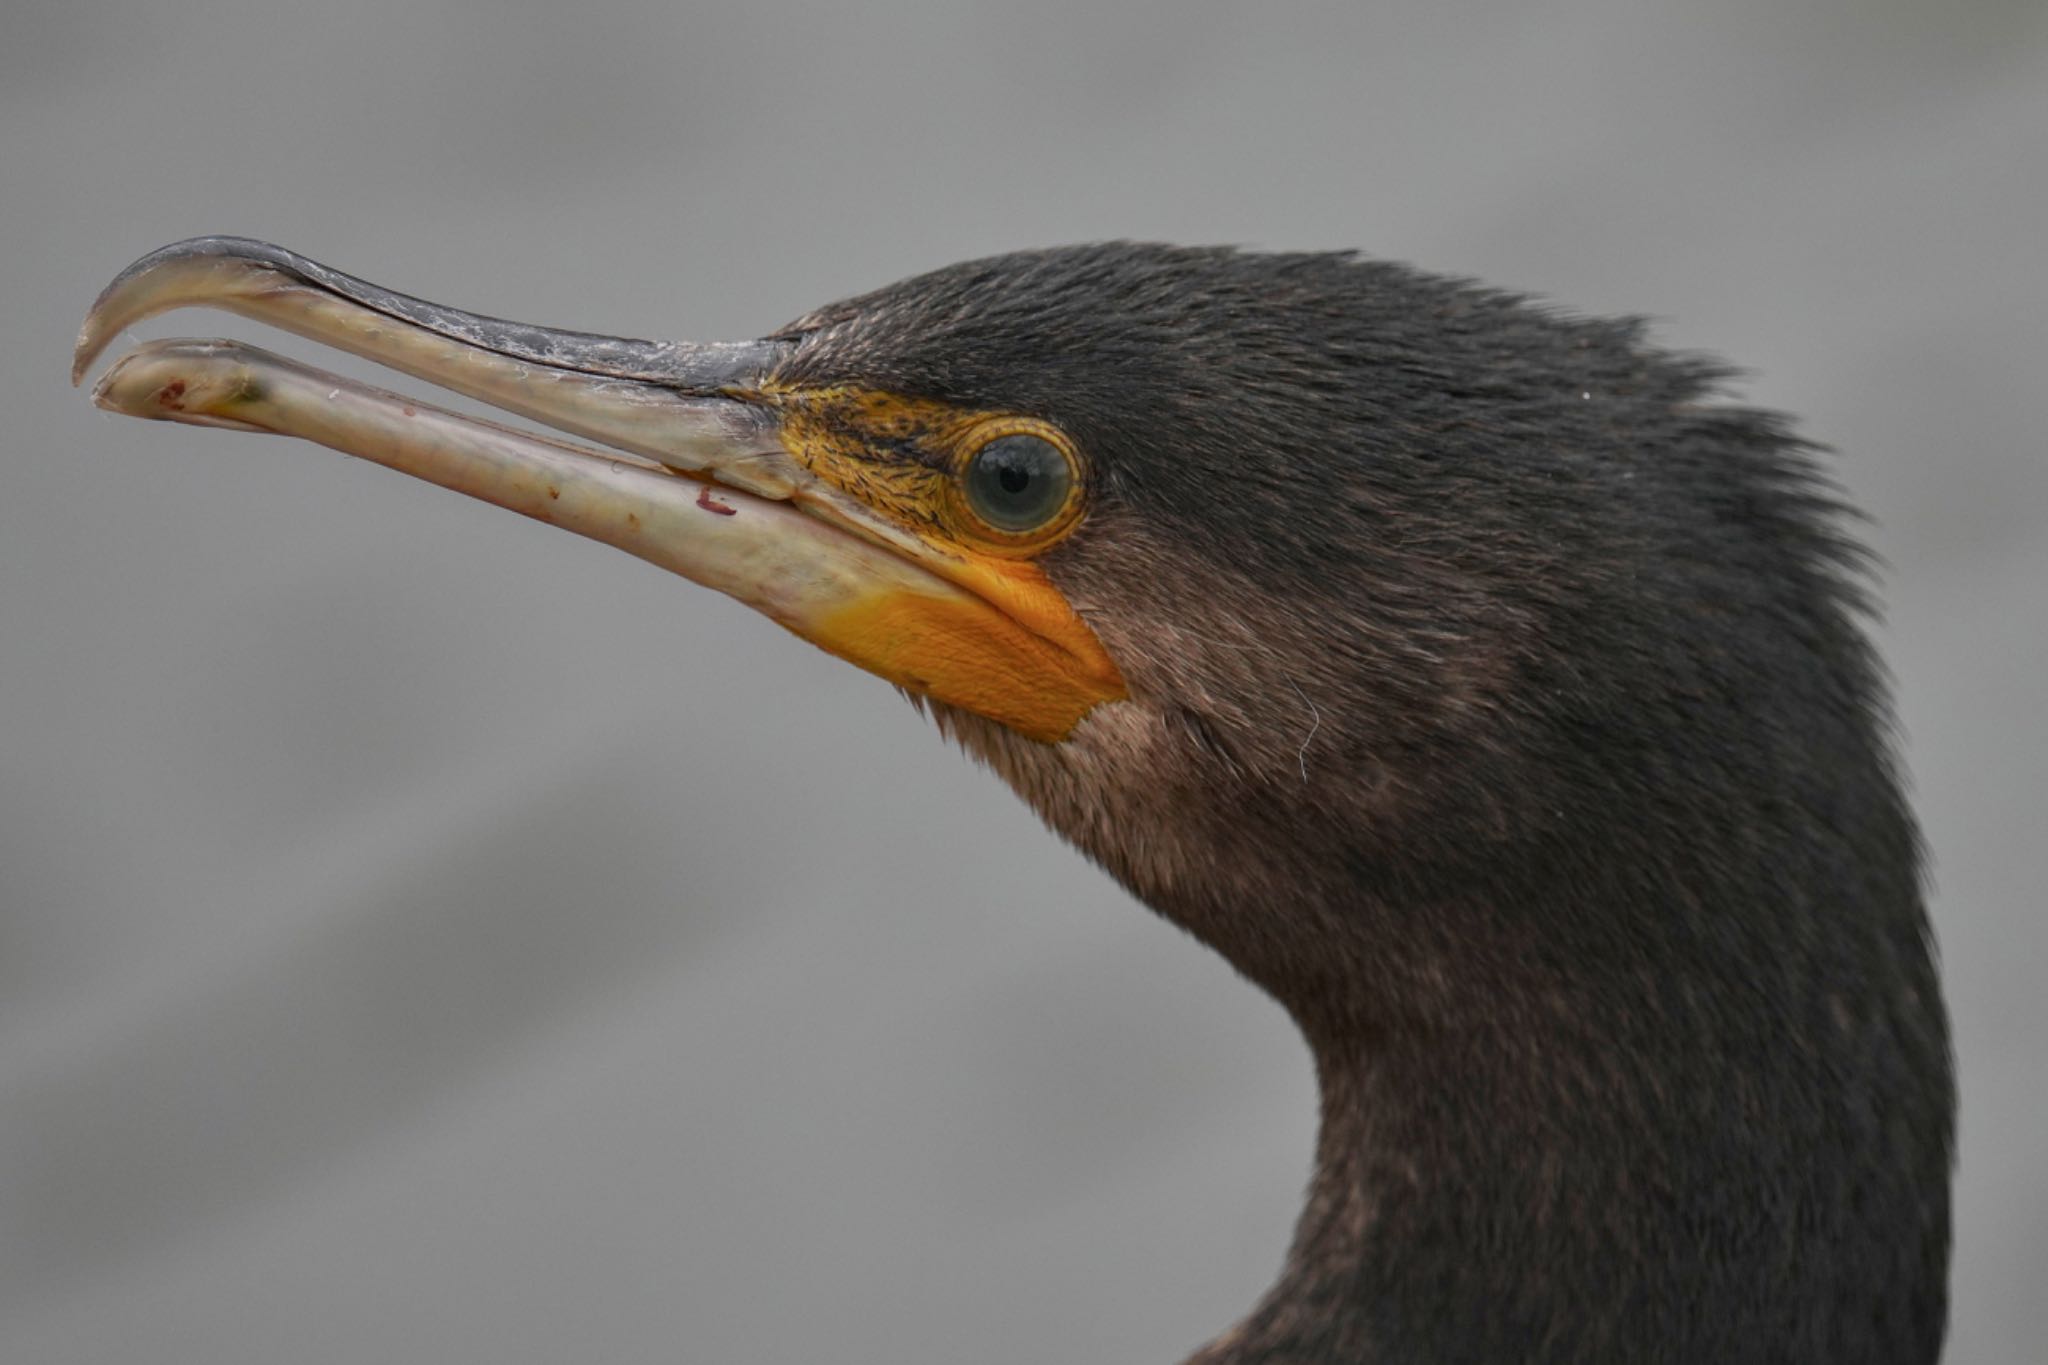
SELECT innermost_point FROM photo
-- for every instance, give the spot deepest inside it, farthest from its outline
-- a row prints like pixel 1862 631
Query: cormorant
pixel 1471 676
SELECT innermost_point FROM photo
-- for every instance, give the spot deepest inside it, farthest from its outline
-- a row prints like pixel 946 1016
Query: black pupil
pixel 1018 483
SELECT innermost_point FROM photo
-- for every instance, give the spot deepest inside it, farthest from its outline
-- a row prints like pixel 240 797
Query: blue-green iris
pixel 1018 483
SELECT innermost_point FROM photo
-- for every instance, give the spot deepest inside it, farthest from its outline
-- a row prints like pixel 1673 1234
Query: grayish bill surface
pixel 796 569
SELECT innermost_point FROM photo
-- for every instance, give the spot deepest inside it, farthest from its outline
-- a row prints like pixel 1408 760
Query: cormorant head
pixel 1234 565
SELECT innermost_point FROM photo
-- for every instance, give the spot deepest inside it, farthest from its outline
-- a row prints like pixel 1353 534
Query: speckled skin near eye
pixel 903 458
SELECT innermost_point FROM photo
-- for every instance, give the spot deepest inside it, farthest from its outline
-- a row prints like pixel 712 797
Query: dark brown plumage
pixel 1499 705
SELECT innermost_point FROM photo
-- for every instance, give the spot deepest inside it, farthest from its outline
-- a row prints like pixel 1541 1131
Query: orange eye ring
pixel 1017 484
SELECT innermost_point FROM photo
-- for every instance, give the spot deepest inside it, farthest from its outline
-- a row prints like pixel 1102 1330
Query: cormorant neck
pixel 1649 1152
pixel 1611 1071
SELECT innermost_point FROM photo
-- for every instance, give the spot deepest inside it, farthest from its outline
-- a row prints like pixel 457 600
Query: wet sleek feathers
pixel 1499 703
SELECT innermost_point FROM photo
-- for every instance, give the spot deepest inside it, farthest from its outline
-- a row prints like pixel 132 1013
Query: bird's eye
pixel 1019 483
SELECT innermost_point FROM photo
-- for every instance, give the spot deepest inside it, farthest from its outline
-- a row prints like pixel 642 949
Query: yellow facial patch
pixel 1027 660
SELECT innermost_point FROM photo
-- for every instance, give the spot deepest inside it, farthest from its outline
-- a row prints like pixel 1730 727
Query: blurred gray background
pixel 425 936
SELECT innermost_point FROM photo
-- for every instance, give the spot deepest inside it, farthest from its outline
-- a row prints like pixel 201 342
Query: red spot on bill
pixel 172 396
pixel 711 504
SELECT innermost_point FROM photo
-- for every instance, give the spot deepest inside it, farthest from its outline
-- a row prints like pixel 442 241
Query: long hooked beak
pixel 696 477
